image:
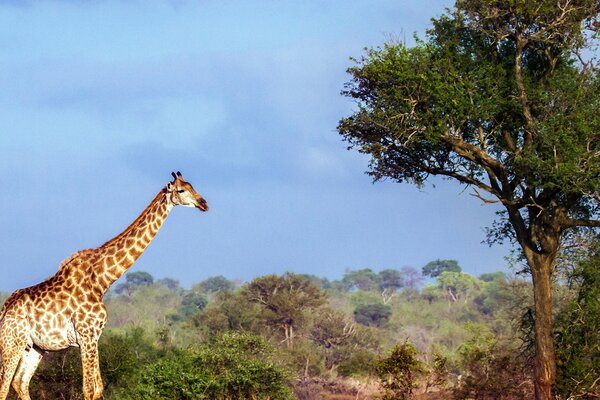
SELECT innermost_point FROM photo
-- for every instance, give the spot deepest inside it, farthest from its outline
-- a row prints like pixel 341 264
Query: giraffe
pixel 67 309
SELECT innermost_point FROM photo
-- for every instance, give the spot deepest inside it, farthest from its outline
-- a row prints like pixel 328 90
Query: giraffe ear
pixel 169 187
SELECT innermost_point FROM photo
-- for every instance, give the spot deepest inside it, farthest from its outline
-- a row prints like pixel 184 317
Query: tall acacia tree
pixel 499 97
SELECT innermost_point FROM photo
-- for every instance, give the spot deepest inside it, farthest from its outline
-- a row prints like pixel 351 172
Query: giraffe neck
pixel 117 255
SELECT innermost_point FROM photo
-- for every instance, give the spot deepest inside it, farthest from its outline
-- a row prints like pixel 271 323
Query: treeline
pixel 371 334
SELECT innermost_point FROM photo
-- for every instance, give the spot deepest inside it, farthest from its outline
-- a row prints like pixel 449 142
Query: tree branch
pixel 574 222
pixel 523 99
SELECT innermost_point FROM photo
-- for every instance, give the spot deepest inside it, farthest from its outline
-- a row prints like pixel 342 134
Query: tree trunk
pixel 545 361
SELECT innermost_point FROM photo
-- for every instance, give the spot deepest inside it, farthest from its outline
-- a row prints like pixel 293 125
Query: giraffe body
pixel 67 309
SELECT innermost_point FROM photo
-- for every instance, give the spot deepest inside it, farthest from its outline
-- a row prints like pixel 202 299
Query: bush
pixel 235 366
pixel 375 314
pixel 59 374
pixel 491 369
pixel 398 371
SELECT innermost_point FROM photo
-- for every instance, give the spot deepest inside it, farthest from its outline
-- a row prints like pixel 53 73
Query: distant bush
pixel 375 314
pixel 398 372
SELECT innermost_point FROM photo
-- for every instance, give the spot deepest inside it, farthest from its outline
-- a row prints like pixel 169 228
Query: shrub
pixel 398 371
pixel 490 368
pixel 235 366
pixel 375 314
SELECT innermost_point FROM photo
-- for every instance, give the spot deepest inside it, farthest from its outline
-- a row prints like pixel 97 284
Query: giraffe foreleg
pixel 29 362
pixel 90 363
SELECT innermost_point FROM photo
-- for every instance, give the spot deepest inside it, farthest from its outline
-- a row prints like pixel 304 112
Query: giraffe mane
pixel 72 257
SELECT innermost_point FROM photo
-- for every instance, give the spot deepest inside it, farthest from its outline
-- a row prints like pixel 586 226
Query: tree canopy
pixel 284 300
pixel 499 97
pixel 436 267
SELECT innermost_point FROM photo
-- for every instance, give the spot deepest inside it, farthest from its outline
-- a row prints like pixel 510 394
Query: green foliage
pixel 375 314
pixel 390 279
pixel 431 293
pixel 491 369
pixel 169 283
pixel 346 347
pixel 121 355
pixel 234 366
pixel 495 294
pixel 230 311
pixel 285 300
pixel 147 307
pixel 215 284
pixel 362 279
pixel 58 376
pixel 493 276
pixel 436 267
pixel 398 372
pixel 192 303
pixel 458 285
pixel 499 97
pixel 578 341
pixel 439 371
pixel 133 281
pixel 154 359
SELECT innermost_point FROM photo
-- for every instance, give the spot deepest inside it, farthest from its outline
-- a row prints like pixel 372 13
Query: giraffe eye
pixel 180 191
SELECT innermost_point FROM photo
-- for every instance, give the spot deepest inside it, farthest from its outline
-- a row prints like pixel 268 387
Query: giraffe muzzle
pixel 202 205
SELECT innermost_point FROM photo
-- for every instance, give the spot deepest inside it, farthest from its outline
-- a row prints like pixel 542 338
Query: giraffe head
pixel 181 193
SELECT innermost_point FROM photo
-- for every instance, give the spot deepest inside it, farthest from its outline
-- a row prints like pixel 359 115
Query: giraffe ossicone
pixel 67 309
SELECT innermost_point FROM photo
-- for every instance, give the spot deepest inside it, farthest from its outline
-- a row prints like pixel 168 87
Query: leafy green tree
pixel 214 284
pixel 431 293
pixel 362 279
pixel 139 278
pixel 285 300
pixel 496 294
pixel 578 324
pixel 230 312
pixel 459 285
pixel 133 281
pixel 375 314
pixel 436 267
pixel 493 276
pixel 320 281
pixel 398 372
pixel 499 97
pixel 391 279
pixel 169 283
pixel 337 335
pixel 192 303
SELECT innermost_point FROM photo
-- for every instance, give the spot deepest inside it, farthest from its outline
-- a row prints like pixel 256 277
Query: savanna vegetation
pixel 372 334
pixel 500 96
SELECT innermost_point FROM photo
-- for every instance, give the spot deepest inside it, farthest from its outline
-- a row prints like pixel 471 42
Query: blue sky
pixel 101 100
